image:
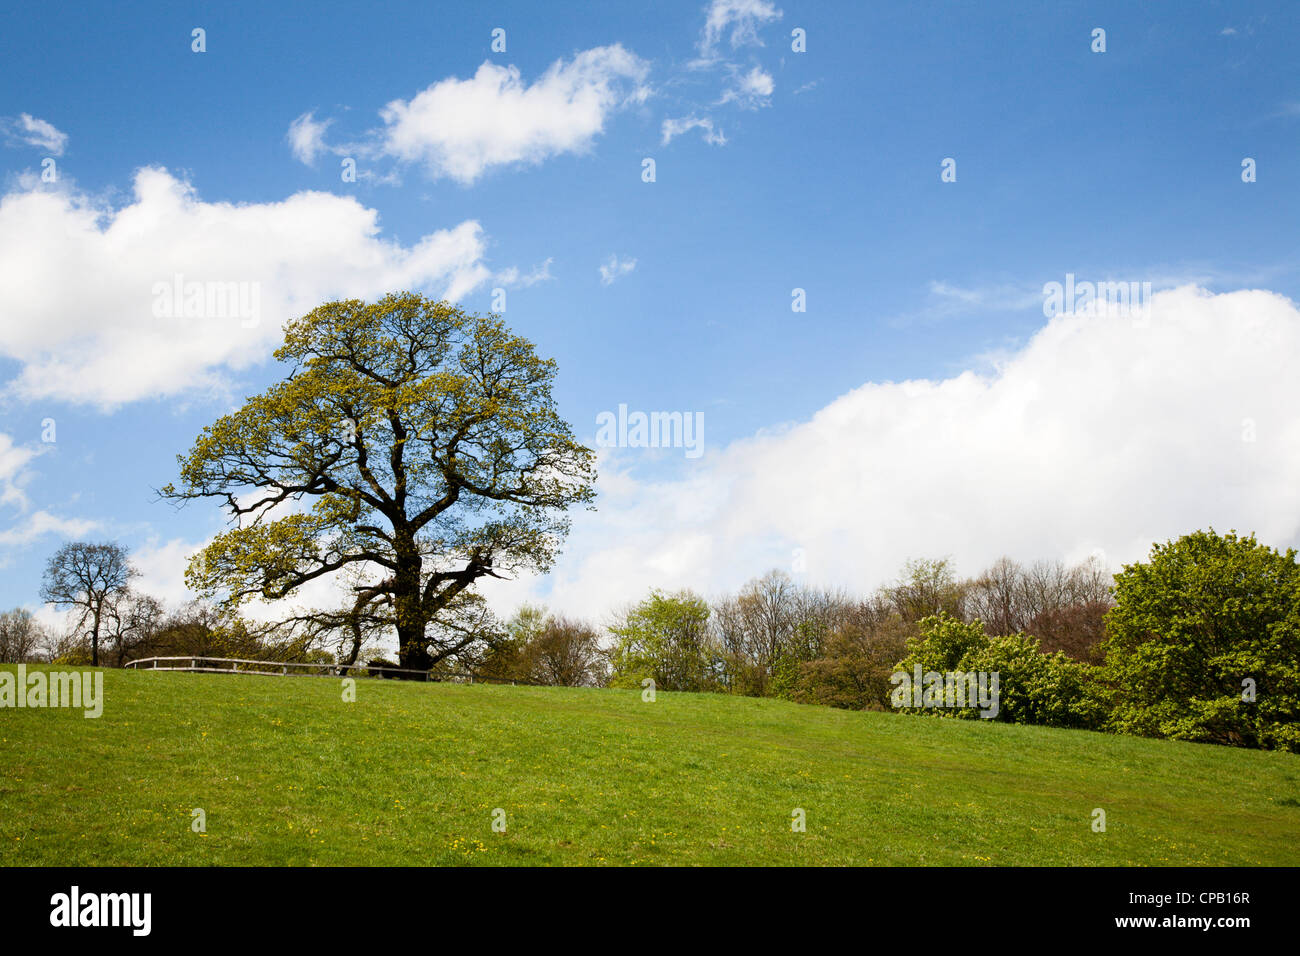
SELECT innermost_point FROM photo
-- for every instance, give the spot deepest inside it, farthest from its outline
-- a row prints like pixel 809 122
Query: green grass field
pixel 287 773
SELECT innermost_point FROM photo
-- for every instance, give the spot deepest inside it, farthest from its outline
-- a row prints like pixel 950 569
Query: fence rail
pixel 203 665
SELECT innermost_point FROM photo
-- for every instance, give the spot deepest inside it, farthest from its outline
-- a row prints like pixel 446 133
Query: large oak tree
pixel 412 450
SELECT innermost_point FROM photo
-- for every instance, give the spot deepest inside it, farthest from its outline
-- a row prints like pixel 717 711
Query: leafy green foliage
pixel 1037 688
pixel 1034 688
pixel 1193 627
pixel 664 638
pixel 412 450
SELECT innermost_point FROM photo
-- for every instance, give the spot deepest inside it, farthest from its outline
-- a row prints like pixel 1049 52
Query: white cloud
pixel 22 526
pixel 307 137
pixel 461 128
pixel 82 281
pixel 742 18
pixel 752 90
pixel 615 268
pixel 14 473
pixel 27 130
pixel 162 567
pixel 40 523
pixel 673 128
pixel 1104 433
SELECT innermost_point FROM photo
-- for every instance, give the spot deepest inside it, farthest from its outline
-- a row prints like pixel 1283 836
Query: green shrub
pixel 1033 687
pixel 1037 688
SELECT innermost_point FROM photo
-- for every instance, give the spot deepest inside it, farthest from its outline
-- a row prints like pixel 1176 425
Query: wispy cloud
pixel 672 128
pixel 944 300
pixel 738 20
pixel 38 524
pixel 514 278
pixel 27 130
pixel 14 472
pixel 750 90
pixel 307 137
pixel 21 526
pixel 615 268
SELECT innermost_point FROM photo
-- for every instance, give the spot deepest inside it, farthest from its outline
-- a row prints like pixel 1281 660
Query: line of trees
pixel 1200 642
pixel 778 638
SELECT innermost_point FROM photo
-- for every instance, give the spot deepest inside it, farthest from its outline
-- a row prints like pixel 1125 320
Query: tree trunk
pixel 94 641
pixel 414 654
pixel 412 647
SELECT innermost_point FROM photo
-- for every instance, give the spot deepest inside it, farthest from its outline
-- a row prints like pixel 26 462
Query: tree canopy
pixel 1204 643
pixel 412 449
pixel 663 638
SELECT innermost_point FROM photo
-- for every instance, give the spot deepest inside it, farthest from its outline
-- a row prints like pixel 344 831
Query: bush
pixel 1033 687
pixel 1037 688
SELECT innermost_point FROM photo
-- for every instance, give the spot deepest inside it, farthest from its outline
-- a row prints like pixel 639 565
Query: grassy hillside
pixel 288 773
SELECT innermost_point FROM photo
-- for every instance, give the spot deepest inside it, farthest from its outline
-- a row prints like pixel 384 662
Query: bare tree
pixel 567 653
pixel 86 577
pixel 73 648
pixel 20 636
pixel 733 649
pixel 769 614
pixel 1065 607
pixel 928 586
pixel 859 655
pixel 130 621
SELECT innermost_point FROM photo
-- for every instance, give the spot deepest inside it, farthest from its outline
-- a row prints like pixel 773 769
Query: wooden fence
pixel 232 665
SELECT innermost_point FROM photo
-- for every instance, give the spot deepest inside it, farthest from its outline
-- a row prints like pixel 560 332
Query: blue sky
pixel 1119 165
